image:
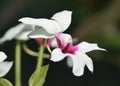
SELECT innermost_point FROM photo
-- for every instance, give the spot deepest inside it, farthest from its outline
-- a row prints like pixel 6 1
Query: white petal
pixel 40 33
pixel 57 55
pixel 11 33
pixel 23 35
pixel 50 26
pixel 78 65
pixel 79 60
pixel 3 56
pixel 52 42
pixel 87 47
pixel 63 18
pixel 5 67
pixel 69 62
pixel 88 62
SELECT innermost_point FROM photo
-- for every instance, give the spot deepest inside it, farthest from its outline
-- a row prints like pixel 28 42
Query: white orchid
pixel 18 32
pixel 5 66
pixel 47 28
pixel 77 53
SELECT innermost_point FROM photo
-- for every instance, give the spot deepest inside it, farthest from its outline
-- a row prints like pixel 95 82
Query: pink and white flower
pixel 47 28
pixel 76 53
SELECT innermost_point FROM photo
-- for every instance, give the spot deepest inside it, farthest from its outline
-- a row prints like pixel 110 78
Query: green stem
pixel 28 51
pixel 18 63
pixel 33 53
pixel 39 63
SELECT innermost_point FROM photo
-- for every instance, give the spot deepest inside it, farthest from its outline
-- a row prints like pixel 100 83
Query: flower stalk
pixel 33 53
pixel 18 63
pixel 29 51
pixel 39 63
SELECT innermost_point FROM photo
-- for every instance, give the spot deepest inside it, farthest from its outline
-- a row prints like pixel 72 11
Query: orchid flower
pixel 4 65
pixel 76 53
pixel 47 28
pixel 18 32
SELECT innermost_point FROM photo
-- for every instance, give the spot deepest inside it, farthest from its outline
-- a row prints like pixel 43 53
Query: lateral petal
pixel 88 62
pixel 78 65
pixel 12 32
pixel 85 47
pixel 50 26
pixel 5 67
pixel 63 18
pixel 3 56
pixel 23 34
pixel 57 55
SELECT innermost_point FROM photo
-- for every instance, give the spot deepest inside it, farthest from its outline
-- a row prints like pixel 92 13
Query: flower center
pixel 69 49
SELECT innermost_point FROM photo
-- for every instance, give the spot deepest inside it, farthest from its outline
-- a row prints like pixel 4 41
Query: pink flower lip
pixel 70 49
pixel 66 45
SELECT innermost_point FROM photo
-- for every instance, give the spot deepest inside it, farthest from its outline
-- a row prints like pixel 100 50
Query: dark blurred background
pixel 92 21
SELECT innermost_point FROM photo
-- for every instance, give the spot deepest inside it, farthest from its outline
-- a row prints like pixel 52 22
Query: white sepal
pixel 5 67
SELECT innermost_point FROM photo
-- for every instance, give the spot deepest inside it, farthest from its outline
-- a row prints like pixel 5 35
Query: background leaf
pixel 42 76
pixel 5 82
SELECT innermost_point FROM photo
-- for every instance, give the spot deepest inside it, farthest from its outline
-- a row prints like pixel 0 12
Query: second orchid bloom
pixel 76 53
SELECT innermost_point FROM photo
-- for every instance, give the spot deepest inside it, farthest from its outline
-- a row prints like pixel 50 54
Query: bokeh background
pixel 92 21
